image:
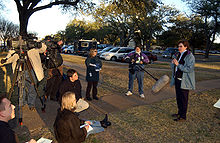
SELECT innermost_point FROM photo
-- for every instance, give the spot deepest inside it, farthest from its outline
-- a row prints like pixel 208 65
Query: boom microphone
pixel 160 83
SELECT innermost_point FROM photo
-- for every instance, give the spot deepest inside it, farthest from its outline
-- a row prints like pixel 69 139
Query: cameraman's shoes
pixel 142 96
pixel 96 98
pixel 89 98
pixel 32 108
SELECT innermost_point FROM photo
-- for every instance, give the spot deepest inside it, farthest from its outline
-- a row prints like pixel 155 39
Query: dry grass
pixel 153 123
pixel 213 65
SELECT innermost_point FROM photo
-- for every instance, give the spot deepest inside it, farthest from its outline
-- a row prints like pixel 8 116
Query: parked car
pixel 84 46
pixel 114 53
pixel 107 49
pixel 169 52
pixel 64 47
pixel 69 50
pixel 157 51
pixel 214 52
pixel 150 56
pixel 198 51
pixel 100 47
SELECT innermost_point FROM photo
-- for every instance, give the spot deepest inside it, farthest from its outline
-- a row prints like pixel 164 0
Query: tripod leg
pixel 14 79
pixel 21 86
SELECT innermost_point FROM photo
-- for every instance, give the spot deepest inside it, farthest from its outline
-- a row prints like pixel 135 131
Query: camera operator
pixel 33 61
pixel 137 59
pixel 53 63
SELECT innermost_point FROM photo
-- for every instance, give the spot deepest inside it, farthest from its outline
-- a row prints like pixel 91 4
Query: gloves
pixel 3 61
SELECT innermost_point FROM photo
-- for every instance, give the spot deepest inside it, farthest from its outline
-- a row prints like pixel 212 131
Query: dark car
pixel 169 52
pixel 150 56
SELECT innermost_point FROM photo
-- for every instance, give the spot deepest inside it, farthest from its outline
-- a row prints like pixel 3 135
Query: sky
pixel 51 20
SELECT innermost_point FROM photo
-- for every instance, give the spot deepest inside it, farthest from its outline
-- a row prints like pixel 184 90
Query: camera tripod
pixel 22 66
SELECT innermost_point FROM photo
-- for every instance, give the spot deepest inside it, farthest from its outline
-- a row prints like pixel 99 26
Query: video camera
pixel 25 43
pixel 50 42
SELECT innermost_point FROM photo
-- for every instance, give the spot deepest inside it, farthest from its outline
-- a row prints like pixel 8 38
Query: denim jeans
pixel 29 90
pixel 97 128
pixel 140 79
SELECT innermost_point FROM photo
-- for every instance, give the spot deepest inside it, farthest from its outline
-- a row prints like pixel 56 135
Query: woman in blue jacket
pixel 93 66
pixel 183 77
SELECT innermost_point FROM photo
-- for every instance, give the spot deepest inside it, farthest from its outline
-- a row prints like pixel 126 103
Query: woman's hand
pixel 132 60
pixel 174 61
pixel 32 141
pixel 87 127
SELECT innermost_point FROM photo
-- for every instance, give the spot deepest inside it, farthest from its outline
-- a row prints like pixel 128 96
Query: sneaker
pixel 129 93
pixel 142 96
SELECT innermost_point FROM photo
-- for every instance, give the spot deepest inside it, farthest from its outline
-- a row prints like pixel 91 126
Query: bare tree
pixel 8 30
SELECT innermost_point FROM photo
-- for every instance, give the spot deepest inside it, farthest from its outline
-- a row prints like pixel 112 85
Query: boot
pixel 105 123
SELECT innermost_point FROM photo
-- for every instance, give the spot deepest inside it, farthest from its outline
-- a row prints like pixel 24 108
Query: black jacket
pixel 75 87
pixel 91 71
pixel 7 135
pixel 67 127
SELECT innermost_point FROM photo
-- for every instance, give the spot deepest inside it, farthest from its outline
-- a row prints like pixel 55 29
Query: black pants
pixel 181 98
pixel 93 85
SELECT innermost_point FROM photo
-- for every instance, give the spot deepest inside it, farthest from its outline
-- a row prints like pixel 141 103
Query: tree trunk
pixel 24 16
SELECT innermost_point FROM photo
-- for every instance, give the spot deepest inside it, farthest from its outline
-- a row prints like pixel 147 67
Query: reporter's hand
pixel 88 122
pixel 60 42
pixel 32 141
pixel 141 62
pixel 132 60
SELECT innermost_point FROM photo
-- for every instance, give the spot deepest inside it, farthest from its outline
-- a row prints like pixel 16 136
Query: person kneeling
pixel 68 128
pixel 72 84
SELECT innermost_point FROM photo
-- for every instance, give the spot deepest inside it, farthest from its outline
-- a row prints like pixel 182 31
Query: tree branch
pixel 34 4
pixel 18 5
pixel 55 3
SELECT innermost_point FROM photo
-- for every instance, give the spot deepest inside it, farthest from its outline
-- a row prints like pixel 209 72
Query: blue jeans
pixel 30 92
pixel 97 128
pixel 140 79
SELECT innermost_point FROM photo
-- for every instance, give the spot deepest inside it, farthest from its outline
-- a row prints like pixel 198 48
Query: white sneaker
pixel 142 96
pixel 129 93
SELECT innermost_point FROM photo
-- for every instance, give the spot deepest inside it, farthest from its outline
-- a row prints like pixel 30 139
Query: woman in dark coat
pixel 93 66
pixel 68 128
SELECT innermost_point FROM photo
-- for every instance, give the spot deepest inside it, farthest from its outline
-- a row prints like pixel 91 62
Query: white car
pixel 214 52
pixel 69 50
pixel 114 53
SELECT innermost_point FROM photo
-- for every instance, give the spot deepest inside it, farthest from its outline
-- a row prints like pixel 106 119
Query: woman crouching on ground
pixel 68 128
